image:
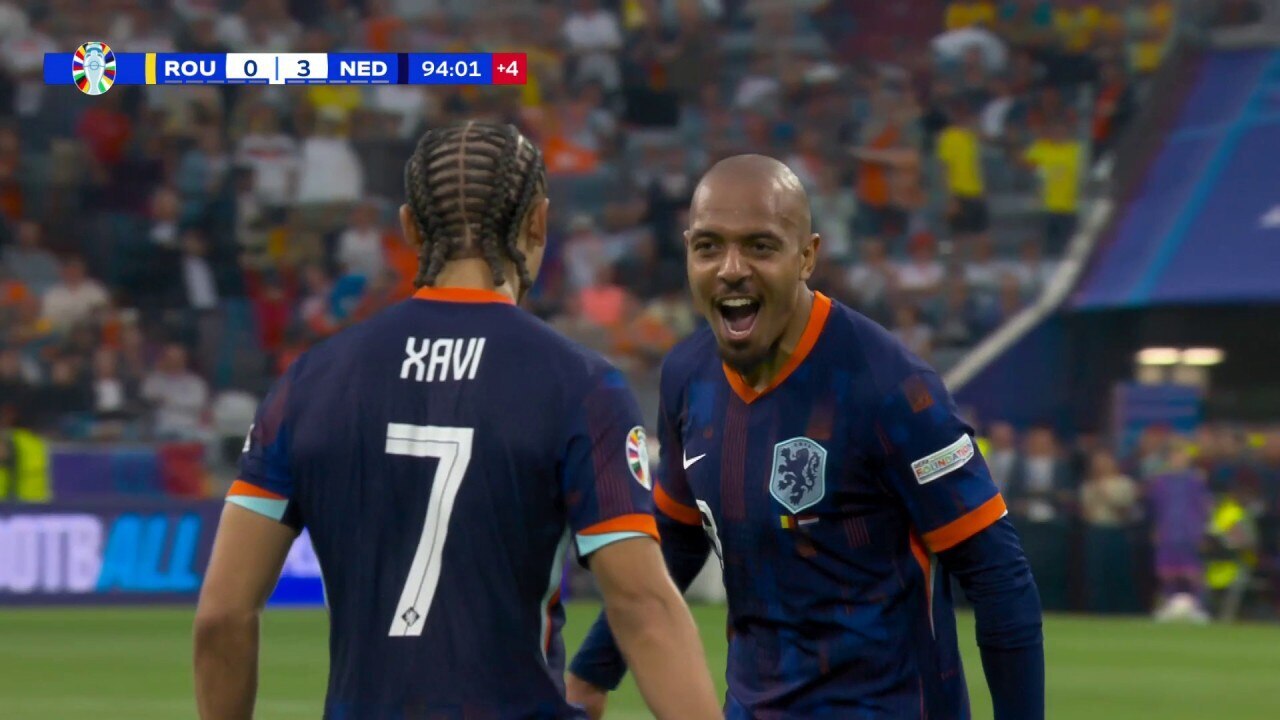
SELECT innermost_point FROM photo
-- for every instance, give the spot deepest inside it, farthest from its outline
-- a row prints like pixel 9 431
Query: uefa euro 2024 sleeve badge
pixel 799 473
pixel 93 68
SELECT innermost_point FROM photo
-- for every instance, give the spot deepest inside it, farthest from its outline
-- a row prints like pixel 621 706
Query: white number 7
pixel 452 446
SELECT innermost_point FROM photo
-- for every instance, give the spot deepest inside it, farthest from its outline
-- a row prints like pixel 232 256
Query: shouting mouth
pixel 738 316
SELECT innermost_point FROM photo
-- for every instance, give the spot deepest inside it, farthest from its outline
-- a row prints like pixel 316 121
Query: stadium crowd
pixel 166 251
pixel 163 246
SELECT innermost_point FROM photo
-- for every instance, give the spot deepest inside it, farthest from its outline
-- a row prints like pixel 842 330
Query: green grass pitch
pixel 134 664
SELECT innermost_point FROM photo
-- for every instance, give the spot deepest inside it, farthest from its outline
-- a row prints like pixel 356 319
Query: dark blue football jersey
pixel 443 455
pixel 826 497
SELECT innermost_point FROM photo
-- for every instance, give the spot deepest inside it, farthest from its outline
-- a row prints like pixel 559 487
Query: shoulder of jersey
pixel 871 343
pixel 562 352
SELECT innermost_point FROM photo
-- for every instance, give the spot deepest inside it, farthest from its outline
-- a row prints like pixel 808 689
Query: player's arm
pixel 995 576
pixel 248 553
pixel 259 524
pixel 611 494
pixel 934 465
pixel 599 666
pixel 655 631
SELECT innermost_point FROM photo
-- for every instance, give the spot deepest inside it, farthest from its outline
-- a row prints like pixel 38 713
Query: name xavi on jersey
pixel 442 359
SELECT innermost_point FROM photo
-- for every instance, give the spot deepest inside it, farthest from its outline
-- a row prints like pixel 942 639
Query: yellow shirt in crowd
pixel 961 154
pixel 967 14
pixel 1058 164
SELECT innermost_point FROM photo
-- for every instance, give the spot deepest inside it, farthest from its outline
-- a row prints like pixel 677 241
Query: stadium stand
pixel 166 251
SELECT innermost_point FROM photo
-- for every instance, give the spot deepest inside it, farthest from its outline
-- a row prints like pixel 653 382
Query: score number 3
pixel 452 447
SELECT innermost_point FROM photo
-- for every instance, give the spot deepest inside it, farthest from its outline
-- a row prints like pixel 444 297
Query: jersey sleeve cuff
pixel 966 526
pixel 674 509
pixel 610 531
pixel 257 499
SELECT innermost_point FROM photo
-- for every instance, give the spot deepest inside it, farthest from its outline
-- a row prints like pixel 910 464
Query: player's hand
pixel 588 696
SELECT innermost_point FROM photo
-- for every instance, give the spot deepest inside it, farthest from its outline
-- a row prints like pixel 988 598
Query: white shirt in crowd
pixel 360 252
pixel 180 401
pixel 202 291
pixel 595 37
pixel 329 171
pixel 593 32
pixel 64 306
pixel 108 395
pixel 24 55
pixel 274 159
pixel 917 276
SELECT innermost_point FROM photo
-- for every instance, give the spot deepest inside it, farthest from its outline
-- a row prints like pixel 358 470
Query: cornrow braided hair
pixel 469 187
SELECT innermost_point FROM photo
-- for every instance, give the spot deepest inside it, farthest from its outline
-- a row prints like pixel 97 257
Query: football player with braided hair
pixel 443 455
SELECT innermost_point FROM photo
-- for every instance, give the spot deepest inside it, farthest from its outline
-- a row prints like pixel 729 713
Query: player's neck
pixel 474 274
pixel 763 374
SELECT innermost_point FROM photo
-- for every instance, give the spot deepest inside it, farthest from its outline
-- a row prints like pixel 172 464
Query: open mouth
pixel 738 315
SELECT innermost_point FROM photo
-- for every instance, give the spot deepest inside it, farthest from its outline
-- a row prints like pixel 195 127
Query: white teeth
pixel 737 302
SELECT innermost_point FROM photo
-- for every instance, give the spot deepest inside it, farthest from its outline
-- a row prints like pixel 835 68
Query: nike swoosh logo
pixel 689 461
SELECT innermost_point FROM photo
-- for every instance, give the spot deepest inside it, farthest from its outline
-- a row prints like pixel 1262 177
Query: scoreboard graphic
pixel 94 68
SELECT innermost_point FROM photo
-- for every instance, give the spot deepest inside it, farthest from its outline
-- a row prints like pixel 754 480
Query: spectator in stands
pixel 61 402
pixel 1040 488
pixel 1113 107
pixel 1007 302
pixel 834 208
pixel 1150 26
pixel 74 297
pixel 912 331
pixel 272 155
pixel 315 309
pixel 873 280
pixel 1108 497
pixel 983 269
pixel 360 250
pixel 202 171
pixel 967 13
pixel 593 39
pixel 920 278
pixel 886 147
pixel 178 396
pixel 1002 456
pixel 23 53
pixel 960 152
pixel 29 261
pixel 957 321
pixel 15 385
pixel 584 253
pixel 1033 271
pixel 114 398
pixel 329 170
pixel 603 303
pixel 12 198
pixel 1058 160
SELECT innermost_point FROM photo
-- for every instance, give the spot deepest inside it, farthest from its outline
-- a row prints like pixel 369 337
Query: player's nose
pixel 733 267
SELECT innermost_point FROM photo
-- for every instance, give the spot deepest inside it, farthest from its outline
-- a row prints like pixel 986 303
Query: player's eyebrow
pixel 707 234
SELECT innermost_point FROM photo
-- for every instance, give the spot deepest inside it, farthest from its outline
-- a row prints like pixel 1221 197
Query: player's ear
pixel 535 224
pixel 809 256
pixel 410 227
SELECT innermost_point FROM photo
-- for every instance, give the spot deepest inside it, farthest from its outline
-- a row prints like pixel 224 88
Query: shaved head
pixel 777 183
pixel 751 251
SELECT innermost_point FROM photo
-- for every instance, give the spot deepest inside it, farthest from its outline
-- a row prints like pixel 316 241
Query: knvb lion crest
pixel 799 473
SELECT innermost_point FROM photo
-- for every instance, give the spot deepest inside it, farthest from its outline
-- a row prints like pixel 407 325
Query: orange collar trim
pixel 812 329
pixel 462 295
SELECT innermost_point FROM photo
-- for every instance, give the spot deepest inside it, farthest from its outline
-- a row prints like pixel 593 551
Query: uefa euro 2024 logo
pixel 93 68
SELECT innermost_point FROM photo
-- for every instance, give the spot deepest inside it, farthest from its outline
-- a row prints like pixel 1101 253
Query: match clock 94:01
pixel 454 68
